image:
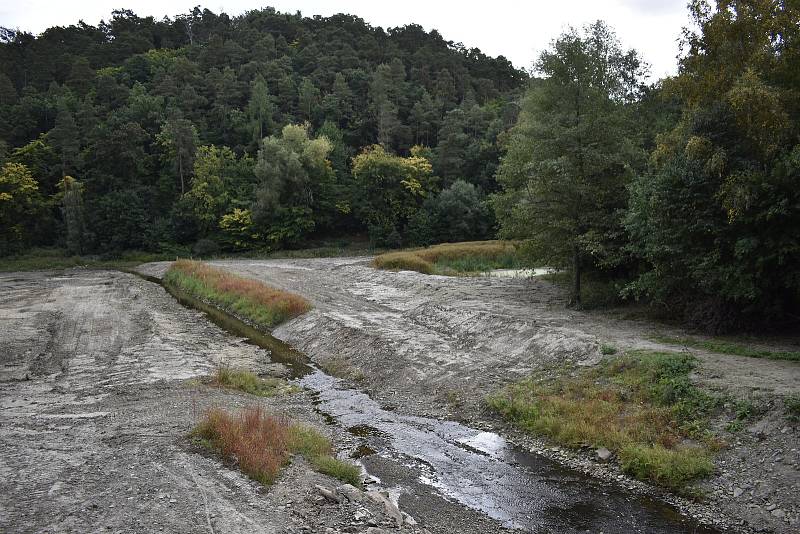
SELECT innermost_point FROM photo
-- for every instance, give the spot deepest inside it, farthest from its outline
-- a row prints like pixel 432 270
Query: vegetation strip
pixel 248 382
pixel 640 405
pixel 727 347
pixel 453 258
pixel 250 299
pixel 261 444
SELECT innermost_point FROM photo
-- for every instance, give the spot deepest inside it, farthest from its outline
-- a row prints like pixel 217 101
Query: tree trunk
pixel 180 171
pixel 576 278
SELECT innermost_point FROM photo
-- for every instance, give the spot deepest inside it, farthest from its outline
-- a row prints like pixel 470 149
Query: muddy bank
pixel 435 346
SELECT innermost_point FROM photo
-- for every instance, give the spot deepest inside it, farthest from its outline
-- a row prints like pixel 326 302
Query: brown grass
pixel 260 444
pixel 254 300
pixel 257 442
pixel 452 258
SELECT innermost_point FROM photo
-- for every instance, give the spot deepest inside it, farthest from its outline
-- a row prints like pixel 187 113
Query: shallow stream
pixel 478 469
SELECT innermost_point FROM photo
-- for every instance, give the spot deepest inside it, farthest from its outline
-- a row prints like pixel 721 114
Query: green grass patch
pixel 250 383
pixel 727 347
pixel 261 444
pixel 640 405
pixel 792 407
pixel 454 258
pixel 607 350
pixel 249 299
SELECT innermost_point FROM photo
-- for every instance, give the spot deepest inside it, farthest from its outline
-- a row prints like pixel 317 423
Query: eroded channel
pixel 480 470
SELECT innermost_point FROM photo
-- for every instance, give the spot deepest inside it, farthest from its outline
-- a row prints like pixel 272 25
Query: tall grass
pixel 640 405
pixel 250 299
pixel 261 444
pixel 453 258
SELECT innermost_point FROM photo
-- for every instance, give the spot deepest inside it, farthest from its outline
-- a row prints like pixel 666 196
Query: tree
pixel 384 110
pixel 71 192
pixel 260 108
pixel 308 100
pixel 390 191
pixel 715 219
pixel 568 158
pixel 294 192
pixel 20 204
pixel 179 139
pixel 65 139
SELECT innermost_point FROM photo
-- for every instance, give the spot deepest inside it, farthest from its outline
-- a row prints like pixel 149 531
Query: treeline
pixel 259 131
pixel 267 130
pixel 702 218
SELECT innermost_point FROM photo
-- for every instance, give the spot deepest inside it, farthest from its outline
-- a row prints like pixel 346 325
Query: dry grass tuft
pixel 266 306
pixel 453 258
pixel 260 444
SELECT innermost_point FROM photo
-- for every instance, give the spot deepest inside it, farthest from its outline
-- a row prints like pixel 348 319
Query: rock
pixel 376 530
pixel 391 509
pixel 328 494
pixel 361 514
pixel 771 507
pixel 351 493
pixel 603 454
pixel 777 512
pixel 737 492
pixel 408 520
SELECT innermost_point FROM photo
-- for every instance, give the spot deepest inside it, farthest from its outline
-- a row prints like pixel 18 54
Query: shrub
pixel 453 258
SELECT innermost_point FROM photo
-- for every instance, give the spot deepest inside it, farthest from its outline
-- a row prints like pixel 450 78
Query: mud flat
pixel 434 346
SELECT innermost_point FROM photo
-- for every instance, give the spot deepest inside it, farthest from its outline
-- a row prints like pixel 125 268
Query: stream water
pixel 478 469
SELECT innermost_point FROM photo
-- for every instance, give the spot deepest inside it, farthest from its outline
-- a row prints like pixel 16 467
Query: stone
pixel 351 493
pixel 328 494
pixel 777 512
pixel 376 530
pixel 391 509
pixel 737 492
pixel 603 454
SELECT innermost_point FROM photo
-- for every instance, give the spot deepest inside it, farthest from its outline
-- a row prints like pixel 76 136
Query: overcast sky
pixel 515 29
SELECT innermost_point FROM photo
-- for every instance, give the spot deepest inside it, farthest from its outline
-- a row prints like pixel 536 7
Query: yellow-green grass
pixel 249 299
pixel 453 258
pixel 247 382
pixel 261 444
pixel 728 347
pixel 640 405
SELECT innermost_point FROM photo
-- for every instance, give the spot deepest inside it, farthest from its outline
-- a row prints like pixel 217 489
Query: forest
pixel 213 134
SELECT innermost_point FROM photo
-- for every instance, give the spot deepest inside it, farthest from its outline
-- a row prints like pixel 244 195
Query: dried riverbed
pixel 96 406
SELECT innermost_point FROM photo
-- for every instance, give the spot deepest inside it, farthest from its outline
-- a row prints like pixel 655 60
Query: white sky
pixel 515 29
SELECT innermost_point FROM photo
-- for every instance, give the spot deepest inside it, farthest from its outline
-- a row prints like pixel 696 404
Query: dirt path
pixel 435 346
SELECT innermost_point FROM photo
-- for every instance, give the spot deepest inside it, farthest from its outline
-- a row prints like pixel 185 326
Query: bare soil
pixel 435 346
pixel 98 397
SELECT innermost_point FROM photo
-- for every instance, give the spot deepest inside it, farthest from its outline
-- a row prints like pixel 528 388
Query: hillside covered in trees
pixel 240 131
pixel 208 133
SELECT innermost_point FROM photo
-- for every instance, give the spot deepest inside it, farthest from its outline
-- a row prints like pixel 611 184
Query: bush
pixel 453 258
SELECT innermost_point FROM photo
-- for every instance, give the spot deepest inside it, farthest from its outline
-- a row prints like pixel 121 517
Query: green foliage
pixel 728 347
pixel 294 192
pixel 20 204
pixel 569 156
pixel 340 469
pixel 248 382
pixel 390 190
pixel 717 216
pixel 640 405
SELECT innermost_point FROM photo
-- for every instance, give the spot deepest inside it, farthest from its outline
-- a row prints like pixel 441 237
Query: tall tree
pixel 568 158
pixel 65 139
pixel 260 108
pixel 179 139
pixel 717 216
pixel 384 110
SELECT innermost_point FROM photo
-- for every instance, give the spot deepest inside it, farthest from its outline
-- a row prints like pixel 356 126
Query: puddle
pixel 477 469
